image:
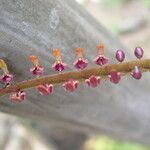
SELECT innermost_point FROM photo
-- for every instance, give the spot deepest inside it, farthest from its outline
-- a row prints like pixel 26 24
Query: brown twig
pixel 124 68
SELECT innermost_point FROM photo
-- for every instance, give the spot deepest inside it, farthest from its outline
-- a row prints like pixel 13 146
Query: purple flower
pixel 18 96
pixel 80 63
pixel 136 73
pixel 115 76
pixel 6 78
pixel 93 81
pixel 45 89
pixel 71 85
pixel 120 55
pixel 59 66
pixel 101 60
pixel 37 70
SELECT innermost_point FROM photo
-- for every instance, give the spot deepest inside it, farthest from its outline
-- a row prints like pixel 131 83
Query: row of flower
pixel 59 65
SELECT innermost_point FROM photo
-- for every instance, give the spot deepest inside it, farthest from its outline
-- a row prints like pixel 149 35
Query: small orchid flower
pixel 37 69
pixel 80 63
pixel 71 85
pixel 100 58
pixel 58 65
pixel 18 96
pixel 93 81
pixel 136 73
pixel 114 76
pixel 45 89
pixel 6 78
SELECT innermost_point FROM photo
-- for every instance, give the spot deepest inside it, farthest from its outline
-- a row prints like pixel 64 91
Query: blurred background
pixel 127 19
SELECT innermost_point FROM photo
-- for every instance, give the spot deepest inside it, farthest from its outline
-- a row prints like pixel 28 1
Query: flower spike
pixel 80 63
pixel 37 69
pixel 91 76
pixel 6 78
pixel 58 65
pixel 100 59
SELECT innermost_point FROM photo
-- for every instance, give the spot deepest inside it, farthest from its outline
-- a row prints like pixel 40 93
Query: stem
pixel 124 68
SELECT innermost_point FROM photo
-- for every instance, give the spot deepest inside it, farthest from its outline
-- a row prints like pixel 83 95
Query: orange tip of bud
pixel 33 58
pixel 56 52
pixel 100 47
pixel 79 50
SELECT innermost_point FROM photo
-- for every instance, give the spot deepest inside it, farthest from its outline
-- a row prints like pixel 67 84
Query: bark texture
pixel 36 27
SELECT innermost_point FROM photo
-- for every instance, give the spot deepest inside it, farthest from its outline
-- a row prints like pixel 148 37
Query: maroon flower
pixel 37 70
pixel 59 66
pixel 6 78
pixel 115 77
pixel 101 60
pixel 80 63
pixel 45 89
pixel 18 96
pixel 93 81
pixel 71 85
pixel 136 73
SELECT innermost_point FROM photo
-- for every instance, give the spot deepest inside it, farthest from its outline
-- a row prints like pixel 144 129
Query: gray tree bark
pixel 36 27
